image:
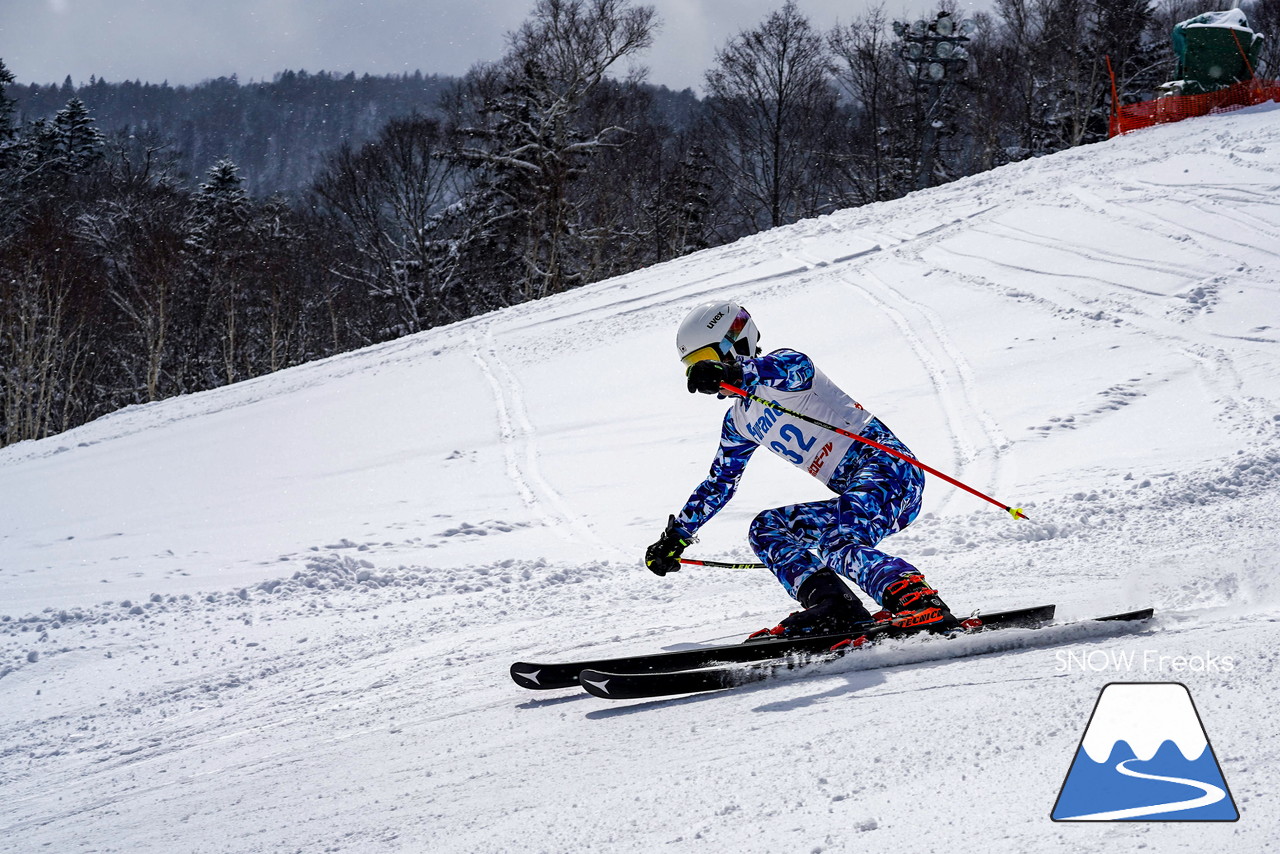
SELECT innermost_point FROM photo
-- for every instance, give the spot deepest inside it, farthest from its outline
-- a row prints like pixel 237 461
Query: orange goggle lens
pixel 701 355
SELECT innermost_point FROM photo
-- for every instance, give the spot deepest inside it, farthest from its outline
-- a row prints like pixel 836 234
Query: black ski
pixel 565 674
pixel 612 685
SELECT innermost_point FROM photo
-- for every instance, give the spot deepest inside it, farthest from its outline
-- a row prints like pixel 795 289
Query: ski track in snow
pixel 963 450
pixel 507 430
pixel 948 370
pixel 519 440
pixel 995 437
pixel 952 383
pixel 1214 364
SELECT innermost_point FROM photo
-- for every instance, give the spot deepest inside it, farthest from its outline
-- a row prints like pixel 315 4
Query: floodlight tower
pixel 935 54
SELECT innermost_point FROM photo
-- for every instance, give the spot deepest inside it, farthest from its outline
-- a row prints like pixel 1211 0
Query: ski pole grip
pixel 732 390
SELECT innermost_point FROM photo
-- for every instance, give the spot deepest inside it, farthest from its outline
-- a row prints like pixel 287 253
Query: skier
pixel 876 494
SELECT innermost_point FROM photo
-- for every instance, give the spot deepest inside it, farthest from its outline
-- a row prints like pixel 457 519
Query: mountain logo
pixel 1145 756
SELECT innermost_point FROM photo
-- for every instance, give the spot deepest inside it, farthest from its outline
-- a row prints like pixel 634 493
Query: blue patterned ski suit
pixel 876 494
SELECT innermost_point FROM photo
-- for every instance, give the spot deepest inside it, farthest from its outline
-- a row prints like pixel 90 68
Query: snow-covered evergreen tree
pixel 683 208
pixel 528 146
pixel 8 129
pixel 8 153
pixel 79 143
pixel 222 206
pixel 219 248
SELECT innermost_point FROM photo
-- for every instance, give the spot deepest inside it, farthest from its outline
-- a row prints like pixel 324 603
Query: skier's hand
pixel 664 555
pixel 706 376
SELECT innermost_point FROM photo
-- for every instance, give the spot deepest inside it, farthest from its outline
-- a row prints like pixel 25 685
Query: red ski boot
pixel 910 603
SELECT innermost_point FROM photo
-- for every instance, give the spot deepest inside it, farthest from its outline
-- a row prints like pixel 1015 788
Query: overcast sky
pixel 187 41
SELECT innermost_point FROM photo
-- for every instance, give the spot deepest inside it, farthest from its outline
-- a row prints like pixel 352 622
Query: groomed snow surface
pixel 278 616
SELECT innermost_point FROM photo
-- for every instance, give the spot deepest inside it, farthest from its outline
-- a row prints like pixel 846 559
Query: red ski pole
pixel 1015 512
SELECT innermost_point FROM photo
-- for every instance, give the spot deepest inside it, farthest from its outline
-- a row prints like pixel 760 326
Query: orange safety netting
pixel 1175 108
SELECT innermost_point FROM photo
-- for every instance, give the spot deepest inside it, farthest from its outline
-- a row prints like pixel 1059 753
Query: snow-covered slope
pixel 278 616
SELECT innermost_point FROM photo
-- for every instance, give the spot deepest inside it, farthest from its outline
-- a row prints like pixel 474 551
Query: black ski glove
pixel 706 376
pixel 664 555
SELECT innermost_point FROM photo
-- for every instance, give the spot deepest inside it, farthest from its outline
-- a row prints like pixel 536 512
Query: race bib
pixel 806 446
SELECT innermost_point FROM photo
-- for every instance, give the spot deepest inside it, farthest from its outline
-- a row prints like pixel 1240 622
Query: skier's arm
pixel 714 492
pixel 784 370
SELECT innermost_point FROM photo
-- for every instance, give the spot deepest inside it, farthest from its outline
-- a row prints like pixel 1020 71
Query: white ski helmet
pixel 715 331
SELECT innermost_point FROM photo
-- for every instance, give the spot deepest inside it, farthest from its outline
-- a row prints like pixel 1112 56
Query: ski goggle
pixel 716 352
pixel 702 354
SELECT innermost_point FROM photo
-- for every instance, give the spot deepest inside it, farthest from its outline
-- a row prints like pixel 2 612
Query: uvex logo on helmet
pixel 715 320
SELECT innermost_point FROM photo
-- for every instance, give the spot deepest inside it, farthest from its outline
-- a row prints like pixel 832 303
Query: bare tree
pixel 869 70
pixel 770 95
pixel 576 42
pixel 135 230
pixel 1264 17
pixel 391 196
pixel 44 353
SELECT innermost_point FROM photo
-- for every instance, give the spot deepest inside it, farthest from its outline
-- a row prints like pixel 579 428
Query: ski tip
pixel 596 683
pixel 528 675
pixel 1128 616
